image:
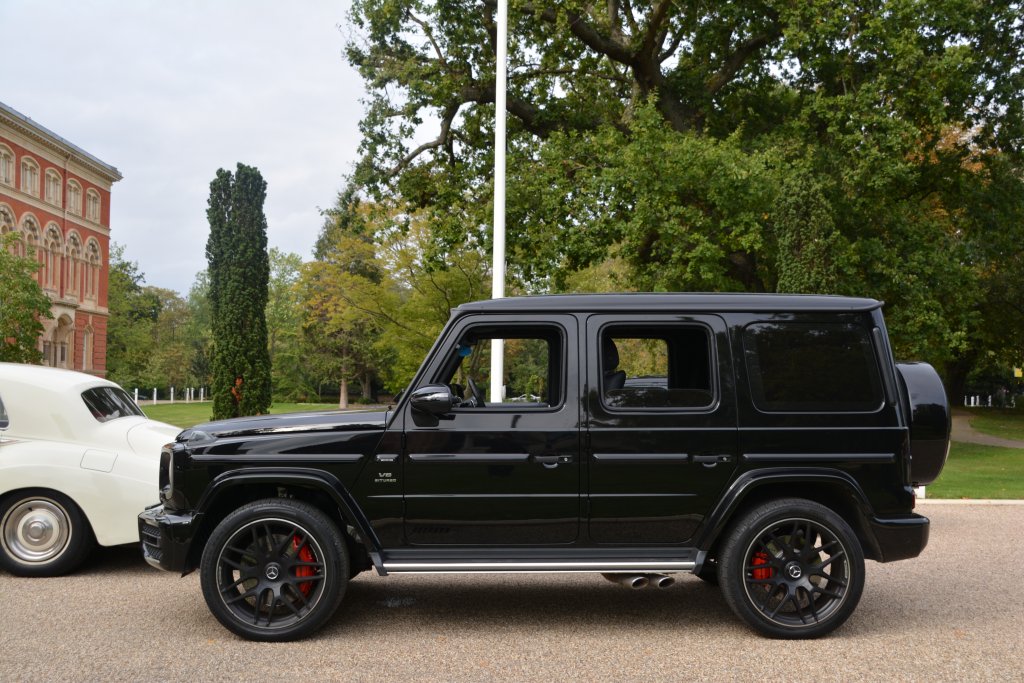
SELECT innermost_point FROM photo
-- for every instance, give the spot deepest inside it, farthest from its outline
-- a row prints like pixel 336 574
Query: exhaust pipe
pixel 660 580
pixel 635 581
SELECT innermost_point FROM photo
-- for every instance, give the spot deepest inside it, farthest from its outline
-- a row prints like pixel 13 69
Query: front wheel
pixel 274 570
pixel 42 533
pixel 792 568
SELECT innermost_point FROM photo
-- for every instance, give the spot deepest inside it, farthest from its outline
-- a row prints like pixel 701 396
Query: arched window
pixel 30 231
pixel 6 165
pixel 54 188
pixel 92 205
pixel 6 226
pixel 30 176
pixel 72 285
pixel 75 197
pixel 92 269
pixel 52 258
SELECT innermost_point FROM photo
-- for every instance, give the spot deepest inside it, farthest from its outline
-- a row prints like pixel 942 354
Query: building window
pixel 92 205
pixel 30 176
pixel 74 197
pixel 72 286
pixel 92 270
pixel 30 231
pixel 54 189
pixel 87 349
pixel 6 165
pixel 52 257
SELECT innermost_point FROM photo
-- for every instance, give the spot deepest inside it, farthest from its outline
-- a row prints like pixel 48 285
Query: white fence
pixel 172 394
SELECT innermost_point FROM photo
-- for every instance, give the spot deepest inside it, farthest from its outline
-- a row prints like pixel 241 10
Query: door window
pixel 656 366
pixel 533 367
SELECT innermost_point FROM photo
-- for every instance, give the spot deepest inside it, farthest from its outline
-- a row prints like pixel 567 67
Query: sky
pixel 170 91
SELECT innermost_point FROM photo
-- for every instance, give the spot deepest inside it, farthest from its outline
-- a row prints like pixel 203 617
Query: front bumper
pixel 166 538
pixel 900 538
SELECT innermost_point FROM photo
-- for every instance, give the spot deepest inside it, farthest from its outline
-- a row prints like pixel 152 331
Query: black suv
pixel 767 443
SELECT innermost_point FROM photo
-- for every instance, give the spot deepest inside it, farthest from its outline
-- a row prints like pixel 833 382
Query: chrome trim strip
pixel 641 457
pixel 469 457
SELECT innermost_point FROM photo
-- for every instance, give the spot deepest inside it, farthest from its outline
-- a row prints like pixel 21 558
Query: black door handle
pixel 711 460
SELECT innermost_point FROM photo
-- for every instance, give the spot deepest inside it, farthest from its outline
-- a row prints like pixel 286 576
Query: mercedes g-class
pixel 767 443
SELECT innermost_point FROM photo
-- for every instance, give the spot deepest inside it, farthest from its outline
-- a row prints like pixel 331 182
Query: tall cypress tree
pixel 239 272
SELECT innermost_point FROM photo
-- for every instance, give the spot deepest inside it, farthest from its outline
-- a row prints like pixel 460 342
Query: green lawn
pixel 975 471
pixel 1007 423
pixel 188 414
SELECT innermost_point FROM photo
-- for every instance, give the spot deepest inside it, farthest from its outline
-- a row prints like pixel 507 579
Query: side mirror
pixel 434 399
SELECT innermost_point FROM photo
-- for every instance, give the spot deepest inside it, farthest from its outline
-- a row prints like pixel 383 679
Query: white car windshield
pixel 110 403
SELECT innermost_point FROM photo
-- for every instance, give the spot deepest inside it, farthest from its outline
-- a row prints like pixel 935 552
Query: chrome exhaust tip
pixel 634 581
pixel 660 580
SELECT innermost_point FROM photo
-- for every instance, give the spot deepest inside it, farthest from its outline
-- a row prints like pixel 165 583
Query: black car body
pixel 766 442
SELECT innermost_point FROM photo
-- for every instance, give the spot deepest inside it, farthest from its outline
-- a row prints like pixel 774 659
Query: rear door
pixel 661 425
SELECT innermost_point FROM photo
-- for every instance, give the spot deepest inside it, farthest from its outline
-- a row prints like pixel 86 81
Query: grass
pixel 975 471
pixel 1007 423
pixel 188 414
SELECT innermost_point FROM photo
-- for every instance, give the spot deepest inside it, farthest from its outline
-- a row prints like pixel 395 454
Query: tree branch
pixel 739 58
pixel 441 140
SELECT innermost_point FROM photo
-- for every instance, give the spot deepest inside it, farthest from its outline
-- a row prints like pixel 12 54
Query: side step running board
pixel 636 566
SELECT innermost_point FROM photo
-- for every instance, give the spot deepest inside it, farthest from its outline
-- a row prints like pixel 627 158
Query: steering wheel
pixel 478 396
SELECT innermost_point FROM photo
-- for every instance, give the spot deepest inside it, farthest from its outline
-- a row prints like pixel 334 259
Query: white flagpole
pixel 498 268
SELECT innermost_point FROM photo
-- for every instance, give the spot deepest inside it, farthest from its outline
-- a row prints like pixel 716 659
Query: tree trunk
pixel 367 386
pixel 343 395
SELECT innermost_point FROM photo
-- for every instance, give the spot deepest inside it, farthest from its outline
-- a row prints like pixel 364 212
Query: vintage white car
pixel 78 462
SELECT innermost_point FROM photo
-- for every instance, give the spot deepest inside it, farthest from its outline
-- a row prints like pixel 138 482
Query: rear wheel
pixel 42 533
pixel 792 568
pixel 274 570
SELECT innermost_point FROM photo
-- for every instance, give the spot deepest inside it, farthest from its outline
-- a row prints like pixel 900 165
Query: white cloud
pixel 168 92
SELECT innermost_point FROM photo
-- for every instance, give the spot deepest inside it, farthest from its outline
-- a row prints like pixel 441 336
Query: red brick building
pixel 56 197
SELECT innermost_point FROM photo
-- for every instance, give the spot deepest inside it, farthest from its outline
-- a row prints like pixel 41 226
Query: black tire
pixel 274 570
pixel 792 568
pixel 42 533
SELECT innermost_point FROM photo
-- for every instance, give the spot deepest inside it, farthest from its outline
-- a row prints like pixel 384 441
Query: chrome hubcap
pixel 36 531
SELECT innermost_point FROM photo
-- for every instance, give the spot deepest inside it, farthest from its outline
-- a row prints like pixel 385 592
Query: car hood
pixel 319 421
pixel 149 436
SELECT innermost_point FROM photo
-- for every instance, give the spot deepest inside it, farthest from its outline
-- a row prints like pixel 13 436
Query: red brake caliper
pixel 759 560
pixel 305 555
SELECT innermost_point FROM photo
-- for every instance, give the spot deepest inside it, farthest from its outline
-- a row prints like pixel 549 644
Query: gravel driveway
pixel 956 613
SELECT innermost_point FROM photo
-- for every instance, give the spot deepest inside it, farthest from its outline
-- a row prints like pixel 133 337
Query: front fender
pixel 316 479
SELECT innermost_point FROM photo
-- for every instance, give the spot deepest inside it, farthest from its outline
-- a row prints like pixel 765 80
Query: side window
pixel 656 366
pixel 533 366
pixel 801 367
pixel 4 420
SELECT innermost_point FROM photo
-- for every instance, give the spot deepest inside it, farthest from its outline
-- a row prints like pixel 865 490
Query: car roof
pixel 51 378
pixel 675 301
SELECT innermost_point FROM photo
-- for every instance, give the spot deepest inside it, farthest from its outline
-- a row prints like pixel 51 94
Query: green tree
pixel 290 375
pixel 134 310
pixel 838 147
pixel 22 304
pixel 238 274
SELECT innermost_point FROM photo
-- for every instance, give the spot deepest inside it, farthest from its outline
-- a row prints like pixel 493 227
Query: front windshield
pixel 110 403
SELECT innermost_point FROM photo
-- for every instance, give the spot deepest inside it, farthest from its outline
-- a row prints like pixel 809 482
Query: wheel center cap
pixel 37 530
pixel 794 571
pixel 273 571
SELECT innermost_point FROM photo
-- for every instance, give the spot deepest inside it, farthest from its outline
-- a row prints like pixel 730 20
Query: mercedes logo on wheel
pixel 273 571
pixel 794 571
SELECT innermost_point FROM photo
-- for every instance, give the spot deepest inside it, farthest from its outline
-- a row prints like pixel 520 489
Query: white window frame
pixel 30 176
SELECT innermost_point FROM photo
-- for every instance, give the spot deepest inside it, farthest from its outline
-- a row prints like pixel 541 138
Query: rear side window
pixel 656 366
pixel 810 368
pixel 110 403
pixel 4 421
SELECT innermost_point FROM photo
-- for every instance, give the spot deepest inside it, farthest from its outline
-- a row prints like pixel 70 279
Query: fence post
pixel 172 394
pixel 136 395
pixel 154 395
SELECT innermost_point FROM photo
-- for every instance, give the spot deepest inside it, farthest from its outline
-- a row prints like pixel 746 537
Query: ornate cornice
pixel 37 133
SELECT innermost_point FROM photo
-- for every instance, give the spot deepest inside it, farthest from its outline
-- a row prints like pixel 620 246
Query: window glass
pixel 110 403
pixel 656 366
pixel 4 421
pixel 797 367
pixel 532 366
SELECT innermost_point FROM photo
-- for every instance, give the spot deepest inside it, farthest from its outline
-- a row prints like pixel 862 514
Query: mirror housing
pixel 434 399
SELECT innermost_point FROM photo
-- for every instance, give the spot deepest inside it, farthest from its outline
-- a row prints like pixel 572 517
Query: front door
pixel 498 472
pixel 661 425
